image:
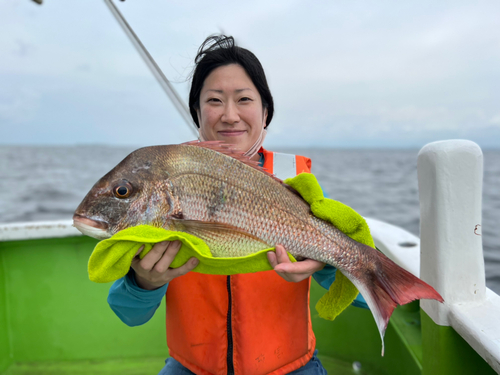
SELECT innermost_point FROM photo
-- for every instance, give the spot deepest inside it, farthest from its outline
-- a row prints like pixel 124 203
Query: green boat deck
pixel 53 320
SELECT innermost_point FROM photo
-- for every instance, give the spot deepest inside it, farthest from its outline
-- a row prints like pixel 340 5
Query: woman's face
pixel 231 108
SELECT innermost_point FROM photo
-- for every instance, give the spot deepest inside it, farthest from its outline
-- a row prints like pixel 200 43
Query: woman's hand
pixel 152 271
pixel 293 272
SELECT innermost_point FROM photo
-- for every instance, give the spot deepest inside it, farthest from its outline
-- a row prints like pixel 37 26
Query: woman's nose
pixel 230 114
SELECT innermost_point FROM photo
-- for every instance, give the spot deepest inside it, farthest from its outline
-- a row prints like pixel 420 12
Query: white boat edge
pixel 37 230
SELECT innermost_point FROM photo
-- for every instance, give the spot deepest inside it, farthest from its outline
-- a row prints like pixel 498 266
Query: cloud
pixel 19 105
pixel 495 120
pixel 23 49
pixel 86 67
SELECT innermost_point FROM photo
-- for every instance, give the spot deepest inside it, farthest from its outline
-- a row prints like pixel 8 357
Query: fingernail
pixel 195 262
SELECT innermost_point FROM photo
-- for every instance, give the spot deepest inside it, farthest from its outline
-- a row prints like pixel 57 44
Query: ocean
pixel 48 183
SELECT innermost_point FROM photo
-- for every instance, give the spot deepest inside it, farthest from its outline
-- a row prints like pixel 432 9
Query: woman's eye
pixel 122 191
pixel 245 99
pixel 214 100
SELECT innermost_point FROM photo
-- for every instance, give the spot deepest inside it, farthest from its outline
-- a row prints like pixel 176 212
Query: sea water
pixel 48 183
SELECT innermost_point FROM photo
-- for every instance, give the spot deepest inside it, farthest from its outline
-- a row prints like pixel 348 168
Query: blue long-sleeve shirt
pixel 326 277
pixel 132 304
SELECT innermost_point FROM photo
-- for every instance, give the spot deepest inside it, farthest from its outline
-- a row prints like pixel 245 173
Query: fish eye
pixel 123 190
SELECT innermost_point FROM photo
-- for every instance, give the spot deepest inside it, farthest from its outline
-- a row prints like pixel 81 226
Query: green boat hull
pixel 53 320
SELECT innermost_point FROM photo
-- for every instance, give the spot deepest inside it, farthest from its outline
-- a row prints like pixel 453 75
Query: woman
pixel 245 324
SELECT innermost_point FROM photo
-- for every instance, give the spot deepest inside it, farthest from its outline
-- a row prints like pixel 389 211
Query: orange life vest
pixel 255 323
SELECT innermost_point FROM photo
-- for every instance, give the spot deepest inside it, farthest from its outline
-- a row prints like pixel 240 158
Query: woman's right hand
pixel 153 271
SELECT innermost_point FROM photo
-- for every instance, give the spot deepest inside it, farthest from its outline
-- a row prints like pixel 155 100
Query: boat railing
pixel 37 230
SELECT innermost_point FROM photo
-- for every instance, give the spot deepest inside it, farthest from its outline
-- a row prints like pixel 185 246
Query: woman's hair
pixel 220 50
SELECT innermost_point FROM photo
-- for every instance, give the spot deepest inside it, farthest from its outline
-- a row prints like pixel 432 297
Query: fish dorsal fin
pixel 229 150
pixel 293 190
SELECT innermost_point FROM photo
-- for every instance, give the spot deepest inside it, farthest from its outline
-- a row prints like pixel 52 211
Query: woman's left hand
pixel 293 272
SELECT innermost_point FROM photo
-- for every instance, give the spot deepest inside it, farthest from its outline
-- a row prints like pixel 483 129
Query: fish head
pixel 133 193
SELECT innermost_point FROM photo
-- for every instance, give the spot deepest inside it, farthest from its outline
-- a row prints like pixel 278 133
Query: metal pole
pixel 165 84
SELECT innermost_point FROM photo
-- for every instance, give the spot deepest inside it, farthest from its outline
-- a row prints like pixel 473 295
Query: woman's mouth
pixel 231 133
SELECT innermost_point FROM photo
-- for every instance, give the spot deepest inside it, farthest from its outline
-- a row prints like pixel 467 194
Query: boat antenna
pixel 165 84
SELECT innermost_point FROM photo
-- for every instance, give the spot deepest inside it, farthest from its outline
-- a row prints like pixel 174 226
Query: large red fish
pixel 237 209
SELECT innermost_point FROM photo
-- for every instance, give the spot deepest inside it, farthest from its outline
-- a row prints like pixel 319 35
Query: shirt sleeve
pixel 132 304
pixel 326 277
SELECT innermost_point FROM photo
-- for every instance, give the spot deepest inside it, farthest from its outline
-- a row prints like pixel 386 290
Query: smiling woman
pixel 256 323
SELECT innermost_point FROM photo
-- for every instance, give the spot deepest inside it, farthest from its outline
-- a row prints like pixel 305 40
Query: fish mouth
pixel 90 227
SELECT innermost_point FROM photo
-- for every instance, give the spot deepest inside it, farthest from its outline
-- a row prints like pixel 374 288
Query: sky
pixel 348 74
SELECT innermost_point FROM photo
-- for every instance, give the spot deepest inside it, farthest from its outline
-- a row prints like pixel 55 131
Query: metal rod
pixel 165 84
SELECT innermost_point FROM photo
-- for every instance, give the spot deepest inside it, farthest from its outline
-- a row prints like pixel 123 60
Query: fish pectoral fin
pixel 222 238
pixel 210 226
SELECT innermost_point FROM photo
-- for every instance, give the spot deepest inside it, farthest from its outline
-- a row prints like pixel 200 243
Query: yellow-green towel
pixel 112 257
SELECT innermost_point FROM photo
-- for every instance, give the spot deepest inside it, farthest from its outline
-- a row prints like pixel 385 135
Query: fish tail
pixel 386 285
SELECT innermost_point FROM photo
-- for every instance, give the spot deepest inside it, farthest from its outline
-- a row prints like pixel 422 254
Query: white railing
pixel 38 229
pixel 398 244
pixel 450 175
